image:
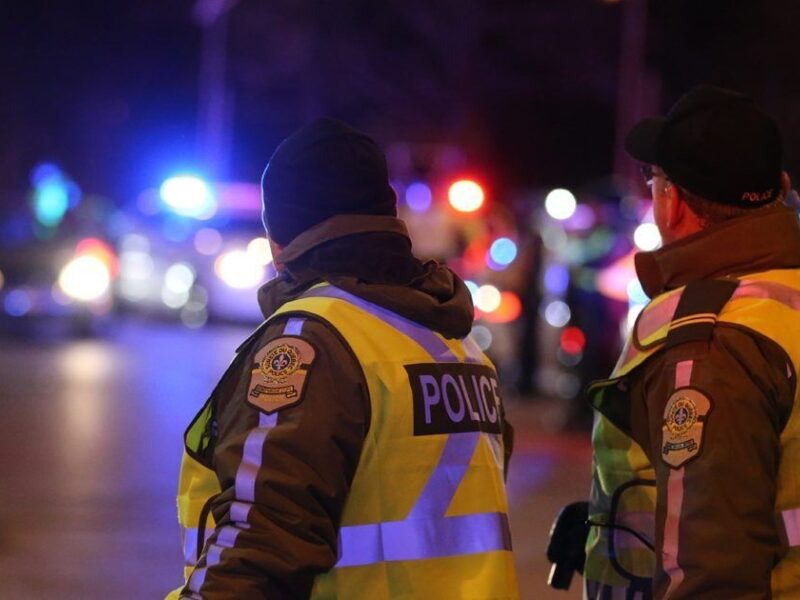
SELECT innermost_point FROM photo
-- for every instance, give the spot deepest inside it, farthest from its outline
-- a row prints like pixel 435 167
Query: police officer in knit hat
pixel 356 445
pixel 696 488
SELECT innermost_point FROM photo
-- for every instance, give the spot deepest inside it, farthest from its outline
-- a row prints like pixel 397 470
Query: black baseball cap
pixel 715 143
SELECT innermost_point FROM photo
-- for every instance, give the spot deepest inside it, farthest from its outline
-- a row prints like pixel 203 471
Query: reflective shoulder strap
pixel 770 290
pixel 425 337
pixel 697 310
pixel 686 314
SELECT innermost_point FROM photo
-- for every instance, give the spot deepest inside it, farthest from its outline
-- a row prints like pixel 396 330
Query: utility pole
pixel 215 106
pixel 638 89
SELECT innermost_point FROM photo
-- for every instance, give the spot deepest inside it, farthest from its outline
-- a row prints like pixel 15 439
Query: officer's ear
pixel 674 204
pixel 786 184
pixel 276 249
pixel 681 219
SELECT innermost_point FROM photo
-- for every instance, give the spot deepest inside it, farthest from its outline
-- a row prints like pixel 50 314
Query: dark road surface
pixel 90 437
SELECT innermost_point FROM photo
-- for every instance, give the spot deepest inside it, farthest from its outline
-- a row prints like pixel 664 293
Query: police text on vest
pixel 454 398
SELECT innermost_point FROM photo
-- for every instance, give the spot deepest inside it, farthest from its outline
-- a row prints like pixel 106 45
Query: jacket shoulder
pixel 687 314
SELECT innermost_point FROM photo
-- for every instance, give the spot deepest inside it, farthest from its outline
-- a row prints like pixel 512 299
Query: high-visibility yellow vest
pixel 623 491
pixel 427 513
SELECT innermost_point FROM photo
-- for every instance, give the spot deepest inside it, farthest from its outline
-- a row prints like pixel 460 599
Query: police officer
pixel 355 446
pixel 696 490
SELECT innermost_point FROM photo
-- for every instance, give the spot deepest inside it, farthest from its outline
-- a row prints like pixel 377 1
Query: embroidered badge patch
pixel 682 429
pixel 279 374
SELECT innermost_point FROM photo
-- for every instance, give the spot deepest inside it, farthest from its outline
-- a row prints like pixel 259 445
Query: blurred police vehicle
pixel 57 264
pixel 194 251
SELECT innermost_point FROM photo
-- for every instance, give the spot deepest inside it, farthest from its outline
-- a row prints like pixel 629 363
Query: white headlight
pixel 560 204
pixel 488 298
pixel 239 269
pixel 85 278
pixel 259 248
pixel 179 278
pixel 646 237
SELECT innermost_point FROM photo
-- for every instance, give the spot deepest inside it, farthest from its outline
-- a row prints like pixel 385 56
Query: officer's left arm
pixel 285 470
pixel 714 418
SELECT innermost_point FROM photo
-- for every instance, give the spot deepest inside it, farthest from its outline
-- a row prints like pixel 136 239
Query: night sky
pixel 527 89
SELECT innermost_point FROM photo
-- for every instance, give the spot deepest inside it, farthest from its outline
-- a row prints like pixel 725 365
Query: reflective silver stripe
pixel 791 521
pixel 245 490
pixel 244 484
pixel 293 327
pixel 426 532
pixel 473 352
pixel 654 318
pixel 189 537
pixel 239 514
pixel 770 290
pixel 447 476
pixel 226 538
pixel 422 538
pixel 675 496
pixel 423 336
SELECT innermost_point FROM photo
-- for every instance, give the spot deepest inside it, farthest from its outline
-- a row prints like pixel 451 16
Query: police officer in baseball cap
pixel 696 491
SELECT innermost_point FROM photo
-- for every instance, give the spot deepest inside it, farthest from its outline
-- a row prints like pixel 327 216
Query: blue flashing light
pixel 53 194
pixel 17 303
pixel 188 196
pixel 44 172
pixel 51 201
pixel 556 280
pixel 418 197
pixel 503 251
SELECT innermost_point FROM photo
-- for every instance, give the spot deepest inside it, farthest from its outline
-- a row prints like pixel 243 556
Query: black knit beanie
pixel 324 169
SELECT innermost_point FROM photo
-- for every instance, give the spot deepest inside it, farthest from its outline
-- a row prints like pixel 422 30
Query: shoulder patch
pixel 279 372
pixel 682 428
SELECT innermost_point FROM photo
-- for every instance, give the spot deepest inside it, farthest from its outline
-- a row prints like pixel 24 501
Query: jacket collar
pixel 289 284
pixel 337 227
pixel 768 239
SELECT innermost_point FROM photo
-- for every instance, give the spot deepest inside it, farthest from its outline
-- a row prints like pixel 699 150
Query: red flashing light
pixel 474 255
pixel 573 340
pixel 100 250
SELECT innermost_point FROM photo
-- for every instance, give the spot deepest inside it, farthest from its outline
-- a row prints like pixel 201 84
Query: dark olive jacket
pixel 716 535
pixel 310 456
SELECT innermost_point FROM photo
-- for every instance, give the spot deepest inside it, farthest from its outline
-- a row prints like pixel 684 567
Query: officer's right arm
pixel 284 478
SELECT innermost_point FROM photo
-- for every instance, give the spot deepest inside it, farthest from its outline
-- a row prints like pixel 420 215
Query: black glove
pixel 567 547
